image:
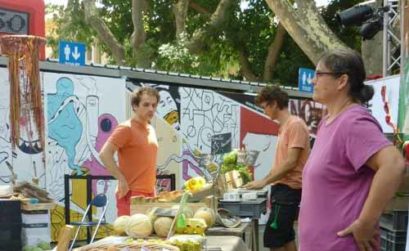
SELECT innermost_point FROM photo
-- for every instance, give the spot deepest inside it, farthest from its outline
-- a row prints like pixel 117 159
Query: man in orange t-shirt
pixel 285 176
pixel 137 146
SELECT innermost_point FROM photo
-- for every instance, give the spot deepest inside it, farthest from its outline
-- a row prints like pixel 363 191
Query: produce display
pixel 162 226
pixel 207 214
pixel 153 227
pixel 188 242
pixel 195 184
pixel 231 162
pixel 192 226
pixel 120 224
pixel 157 221
pixel 129 244
pixel 139 226
pixel 40 247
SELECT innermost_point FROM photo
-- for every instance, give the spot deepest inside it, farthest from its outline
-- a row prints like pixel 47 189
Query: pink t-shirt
pixel 336 180
pixel 293 134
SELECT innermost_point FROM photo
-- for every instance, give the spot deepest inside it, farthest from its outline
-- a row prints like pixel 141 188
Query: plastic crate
pixel 395 220
pixel 252 209
pixel 398 237
pixel 10 212
pixel 10 237
pixel 387 245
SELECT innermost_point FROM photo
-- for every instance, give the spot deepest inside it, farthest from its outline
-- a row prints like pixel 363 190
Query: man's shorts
pixel 279 229
pixel 123 205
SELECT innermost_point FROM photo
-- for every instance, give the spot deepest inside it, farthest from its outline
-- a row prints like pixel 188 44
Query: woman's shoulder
pixel 359 115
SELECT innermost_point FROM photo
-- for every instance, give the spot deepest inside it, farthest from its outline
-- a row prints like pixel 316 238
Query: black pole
pixel 67 199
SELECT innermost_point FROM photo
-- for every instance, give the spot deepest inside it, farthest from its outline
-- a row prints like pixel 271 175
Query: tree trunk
pixel 180 11
pixel 273 53
pixel 138 36
pixel 197 7
pixel 306 26
pixel 245 67
pixel 372 50
pixel 196 44
pixel 103 32
pixel 372 54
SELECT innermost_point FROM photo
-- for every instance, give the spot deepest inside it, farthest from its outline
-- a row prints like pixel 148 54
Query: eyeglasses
pixel 322 73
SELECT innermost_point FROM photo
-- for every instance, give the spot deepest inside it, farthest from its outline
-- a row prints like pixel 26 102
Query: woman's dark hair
pixel 271 94
pixel 347 61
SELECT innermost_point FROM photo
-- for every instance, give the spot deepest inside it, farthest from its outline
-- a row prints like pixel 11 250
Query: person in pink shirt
pixel 353 170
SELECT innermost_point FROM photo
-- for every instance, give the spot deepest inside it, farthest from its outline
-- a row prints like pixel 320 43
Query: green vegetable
pixel 44 245
pixel 28 248
pixel 245 174
pixel 231 157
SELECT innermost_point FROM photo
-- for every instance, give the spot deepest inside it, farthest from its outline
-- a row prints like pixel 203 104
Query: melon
pixel 206 214
pixel 162 226
pixel 139 226
pixel 151 213
pixel 120 224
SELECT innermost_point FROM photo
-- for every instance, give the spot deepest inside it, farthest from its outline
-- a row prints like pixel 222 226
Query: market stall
pixel 211 212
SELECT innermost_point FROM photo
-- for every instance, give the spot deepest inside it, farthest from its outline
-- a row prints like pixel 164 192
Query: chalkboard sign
pixel 221 143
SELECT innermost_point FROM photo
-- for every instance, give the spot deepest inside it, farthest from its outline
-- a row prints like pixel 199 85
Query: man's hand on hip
pixel 122 188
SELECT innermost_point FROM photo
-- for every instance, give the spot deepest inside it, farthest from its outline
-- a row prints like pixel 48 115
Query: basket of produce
pixel 116 243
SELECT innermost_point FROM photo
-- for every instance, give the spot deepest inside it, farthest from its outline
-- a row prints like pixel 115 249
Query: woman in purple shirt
pixel 353 170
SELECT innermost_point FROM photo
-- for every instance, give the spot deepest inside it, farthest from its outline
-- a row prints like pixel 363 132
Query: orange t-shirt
pixel 293 134
pixel 137 151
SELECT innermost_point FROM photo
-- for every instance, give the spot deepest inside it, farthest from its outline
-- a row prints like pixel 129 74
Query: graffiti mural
pixel 205 113
pixel 169 150
pixel 80 117
pixel 27 159
pixel 82 110
pixel 385 91
pixel 311 112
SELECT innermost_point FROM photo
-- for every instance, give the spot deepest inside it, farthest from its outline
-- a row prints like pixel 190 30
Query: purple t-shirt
pixel 336 180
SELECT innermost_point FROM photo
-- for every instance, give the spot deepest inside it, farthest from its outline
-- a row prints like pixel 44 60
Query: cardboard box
pixel 233 180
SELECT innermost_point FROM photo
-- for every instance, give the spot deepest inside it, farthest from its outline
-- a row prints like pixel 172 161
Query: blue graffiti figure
pixel 64 125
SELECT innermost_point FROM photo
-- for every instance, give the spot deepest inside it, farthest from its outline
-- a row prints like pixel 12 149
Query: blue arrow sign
pixel 305 77
pixel 72 53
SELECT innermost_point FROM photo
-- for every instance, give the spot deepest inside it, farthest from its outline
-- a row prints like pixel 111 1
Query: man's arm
pixel 278 172
pixel 107 157
pixel 389 166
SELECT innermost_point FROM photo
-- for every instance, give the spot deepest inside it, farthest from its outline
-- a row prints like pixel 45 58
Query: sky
pixel 63 2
